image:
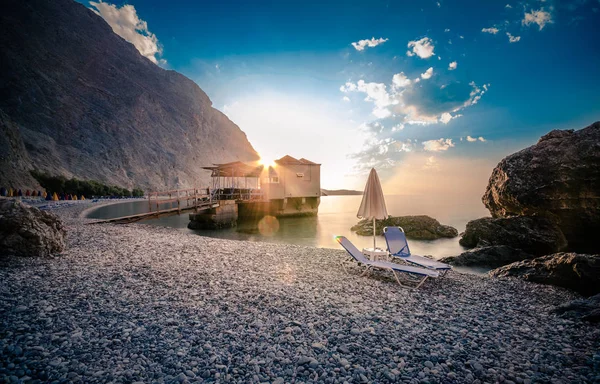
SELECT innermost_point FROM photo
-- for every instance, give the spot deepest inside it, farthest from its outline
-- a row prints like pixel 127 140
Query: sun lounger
pixel 398 248
pixel 393 267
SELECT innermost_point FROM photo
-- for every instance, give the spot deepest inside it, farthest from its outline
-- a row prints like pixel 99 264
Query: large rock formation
pixel 78 100
pixel 558 177
pixel 535 235
pixel 578 272
pixel 490 257
pixel 27 231
pixel 585 309
pixel 415 227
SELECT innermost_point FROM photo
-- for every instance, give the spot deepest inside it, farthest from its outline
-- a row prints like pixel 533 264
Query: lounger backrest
pixel 352 250
pixel 396 241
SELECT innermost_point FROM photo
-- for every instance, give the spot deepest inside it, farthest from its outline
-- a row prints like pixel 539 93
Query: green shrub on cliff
pixel 61 184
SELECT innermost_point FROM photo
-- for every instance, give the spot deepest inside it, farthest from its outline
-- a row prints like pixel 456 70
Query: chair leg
pixel 421 283
pixel 367 271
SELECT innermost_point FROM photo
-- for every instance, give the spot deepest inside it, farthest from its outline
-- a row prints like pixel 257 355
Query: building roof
pixel 251 169
pixel 289 160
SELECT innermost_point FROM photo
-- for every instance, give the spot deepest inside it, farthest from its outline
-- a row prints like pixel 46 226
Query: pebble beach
pixel 137 303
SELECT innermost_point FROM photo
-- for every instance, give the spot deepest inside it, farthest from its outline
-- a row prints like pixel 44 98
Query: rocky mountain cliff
pixel 78 100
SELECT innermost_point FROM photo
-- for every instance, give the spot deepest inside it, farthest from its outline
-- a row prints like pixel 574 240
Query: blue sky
pixel 446 88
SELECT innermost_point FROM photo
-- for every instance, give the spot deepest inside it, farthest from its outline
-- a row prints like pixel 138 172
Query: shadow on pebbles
pixel 135 303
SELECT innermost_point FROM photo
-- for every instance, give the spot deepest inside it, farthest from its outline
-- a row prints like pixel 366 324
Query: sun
pixel 266 162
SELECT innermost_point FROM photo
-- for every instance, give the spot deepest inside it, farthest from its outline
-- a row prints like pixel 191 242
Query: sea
pixel 336 215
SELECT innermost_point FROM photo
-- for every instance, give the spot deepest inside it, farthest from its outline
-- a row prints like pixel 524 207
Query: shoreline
pixel 137 302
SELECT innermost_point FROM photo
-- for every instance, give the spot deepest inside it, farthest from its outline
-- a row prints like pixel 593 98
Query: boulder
pixel 491 257
pixel 415 227
pixel 533 234
pixel 557 177
pixel 28 231
pixel 578 272
pixel 585 309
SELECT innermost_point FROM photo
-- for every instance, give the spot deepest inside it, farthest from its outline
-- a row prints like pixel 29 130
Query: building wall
pixel 300 180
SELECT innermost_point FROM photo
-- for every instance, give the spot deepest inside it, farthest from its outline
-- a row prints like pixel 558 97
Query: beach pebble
pixel 139 303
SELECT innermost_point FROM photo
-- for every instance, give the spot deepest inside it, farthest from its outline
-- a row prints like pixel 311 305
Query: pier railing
pixel 184 198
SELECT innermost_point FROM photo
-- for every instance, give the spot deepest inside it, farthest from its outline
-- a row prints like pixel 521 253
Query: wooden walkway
pixel 187 200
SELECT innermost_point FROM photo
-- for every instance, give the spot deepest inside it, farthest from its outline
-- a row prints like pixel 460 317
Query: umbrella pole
pixel 374 232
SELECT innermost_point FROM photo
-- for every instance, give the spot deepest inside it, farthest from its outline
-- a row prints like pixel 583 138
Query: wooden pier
pixel 177 201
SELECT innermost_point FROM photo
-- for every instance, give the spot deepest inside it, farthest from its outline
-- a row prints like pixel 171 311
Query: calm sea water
pixel 336 215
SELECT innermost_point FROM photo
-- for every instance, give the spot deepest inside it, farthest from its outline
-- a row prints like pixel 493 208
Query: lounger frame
pixel 357 256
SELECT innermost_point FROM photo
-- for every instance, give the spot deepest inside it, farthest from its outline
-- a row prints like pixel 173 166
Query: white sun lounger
pixel 398 248
pixel 393 267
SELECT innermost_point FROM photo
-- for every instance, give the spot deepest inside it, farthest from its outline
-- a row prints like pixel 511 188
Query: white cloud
pixel 431 164
pixel 513 39
pixel 446 117
pixel 438 145
pixel 452 66
pixel 125 22
pixel 373 42
pixel 508 6
pixel 428 73
pixel 346 98
pixel 447 30
pixel 399 80
pixel 474 139
pixel 492 30
pixel 539 17
pixel 422 48
pixel 376 92
pixel 348 87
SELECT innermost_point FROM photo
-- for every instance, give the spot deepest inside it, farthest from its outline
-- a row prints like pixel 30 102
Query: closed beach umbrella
pixel 10 192
pixel 55 197
pixel 372 206
pixel 3 192
pixel 74 197
pixel 20 193
pixel 82 197
pixel 44 194
pixel 27 193
pixel 48 197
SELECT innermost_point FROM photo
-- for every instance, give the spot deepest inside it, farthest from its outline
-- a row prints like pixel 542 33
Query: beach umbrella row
pixel 19 193
pixel 47 196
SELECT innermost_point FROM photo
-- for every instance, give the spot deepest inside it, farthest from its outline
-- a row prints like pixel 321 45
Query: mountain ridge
pixel 78 100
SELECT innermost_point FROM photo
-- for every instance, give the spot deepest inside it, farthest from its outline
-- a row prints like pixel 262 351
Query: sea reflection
pixel 336 215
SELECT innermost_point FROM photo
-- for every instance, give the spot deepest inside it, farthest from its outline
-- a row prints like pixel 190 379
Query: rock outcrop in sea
pixel 578 272
pixel 490 257
pixel 533 234
pixel 28 231
pixel 559 177
pixel 78 100
pixel 420 227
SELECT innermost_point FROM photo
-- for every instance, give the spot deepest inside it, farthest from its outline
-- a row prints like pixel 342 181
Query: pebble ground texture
pixel 135 303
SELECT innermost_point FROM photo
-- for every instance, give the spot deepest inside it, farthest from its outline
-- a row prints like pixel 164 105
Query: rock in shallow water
pixel 580 273
pixel 492 257
pixel 560 177
pixel 533 234
pixel 415 227
pixel 28 231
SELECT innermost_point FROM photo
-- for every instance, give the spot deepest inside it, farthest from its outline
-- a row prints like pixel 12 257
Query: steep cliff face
pixel 78 100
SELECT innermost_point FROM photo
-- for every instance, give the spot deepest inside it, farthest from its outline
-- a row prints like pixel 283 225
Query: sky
pixel 433 94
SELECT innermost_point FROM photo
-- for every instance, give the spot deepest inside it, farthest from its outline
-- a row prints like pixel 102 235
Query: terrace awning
pixel 235 169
